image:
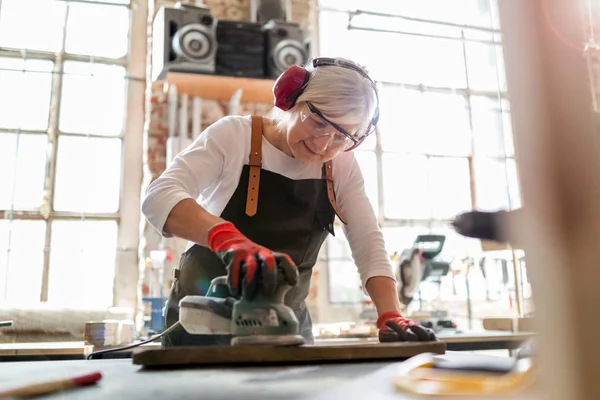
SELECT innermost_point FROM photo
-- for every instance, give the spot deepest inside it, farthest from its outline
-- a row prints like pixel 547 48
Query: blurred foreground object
pixel 432 375
pixel 558 152
pixel 492 225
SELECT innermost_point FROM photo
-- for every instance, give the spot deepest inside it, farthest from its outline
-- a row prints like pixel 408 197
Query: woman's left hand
pixel 393 327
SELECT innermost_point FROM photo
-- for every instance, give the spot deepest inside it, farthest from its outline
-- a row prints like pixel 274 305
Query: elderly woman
pixel 257 196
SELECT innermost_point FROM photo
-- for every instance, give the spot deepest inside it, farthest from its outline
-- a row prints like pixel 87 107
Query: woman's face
pixel 313 140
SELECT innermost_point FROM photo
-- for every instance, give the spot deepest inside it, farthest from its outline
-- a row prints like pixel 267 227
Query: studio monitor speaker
pixel 183 40
pixel 285 45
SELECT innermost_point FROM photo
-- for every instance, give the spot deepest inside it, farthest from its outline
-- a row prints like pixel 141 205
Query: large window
pixel 63 73
pixel 444 142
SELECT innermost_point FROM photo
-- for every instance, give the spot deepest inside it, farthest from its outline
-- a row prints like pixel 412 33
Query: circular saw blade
pixel 411 271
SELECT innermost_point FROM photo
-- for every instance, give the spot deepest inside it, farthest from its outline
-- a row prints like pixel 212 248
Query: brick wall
pixel 239 10
pixel 212 110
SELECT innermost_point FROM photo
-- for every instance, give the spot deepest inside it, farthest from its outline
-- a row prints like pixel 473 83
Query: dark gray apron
pixel 292 217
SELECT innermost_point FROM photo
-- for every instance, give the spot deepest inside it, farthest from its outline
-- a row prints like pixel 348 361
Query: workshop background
pixel 84 130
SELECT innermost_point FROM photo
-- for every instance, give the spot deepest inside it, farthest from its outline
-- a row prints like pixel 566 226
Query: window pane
pixel 88 174
pixel 21 260
pixel 344 283
pixel 405 187
pixel 446 124
pixel 343 278
pixel 93 99
pixel 32 24
pixel 428 61
pixel 25 95
pixel 485 65
pixel 24 170
pixel 82 263
pixel 514 186
pixel 87 31
pixel 450 187
pixel 368 166
pixel 424 123
pixel 400 238
pixel 400 121
pixel 334 38
pixel 492 127
pixel 491 186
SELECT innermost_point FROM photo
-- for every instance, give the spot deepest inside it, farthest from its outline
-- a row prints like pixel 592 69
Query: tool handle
pixel 52 386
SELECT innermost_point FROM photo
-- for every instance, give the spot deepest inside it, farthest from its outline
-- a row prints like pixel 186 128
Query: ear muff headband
pixel 293 81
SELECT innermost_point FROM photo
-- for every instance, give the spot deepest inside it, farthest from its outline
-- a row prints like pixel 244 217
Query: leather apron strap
pixel 255 165
pixel 328 176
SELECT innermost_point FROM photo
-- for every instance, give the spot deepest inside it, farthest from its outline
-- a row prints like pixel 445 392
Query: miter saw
pixel 262 320
pixel 418 263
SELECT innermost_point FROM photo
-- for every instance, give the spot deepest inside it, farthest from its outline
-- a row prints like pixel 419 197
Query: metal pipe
pixel 413 19
pixel 491 42
pixel 102 3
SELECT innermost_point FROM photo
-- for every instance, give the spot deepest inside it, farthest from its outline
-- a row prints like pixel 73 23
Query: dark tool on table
pixel 486 225
pixel 5 324
pixel 262 320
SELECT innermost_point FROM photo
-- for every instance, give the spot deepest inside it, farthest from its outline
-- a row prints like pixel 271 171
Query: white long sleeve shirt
pixel 209 171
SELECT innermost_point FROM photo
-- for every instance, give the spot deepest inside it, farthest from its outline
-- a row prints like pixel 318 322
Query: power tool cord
pixel 131 346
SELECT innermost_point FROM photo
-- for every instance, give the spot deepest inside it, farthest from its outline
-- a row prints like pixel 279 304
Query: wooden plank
pixel 481 337
pixel 251 355
pixel 45 348
pixel 216 87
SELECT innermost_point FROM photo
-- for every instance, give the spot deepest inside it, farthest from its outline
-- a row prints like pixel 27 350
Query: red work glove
pixel 250 265
pixel 393 327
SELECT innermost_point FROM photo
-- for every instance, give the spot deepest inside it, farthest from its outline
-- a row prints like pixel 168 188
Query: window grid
pixel 379 149
pixel 46 211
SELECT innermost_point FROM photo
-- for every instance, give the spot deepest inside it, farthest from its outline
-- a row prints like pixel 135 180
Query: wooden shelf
pixel 217 87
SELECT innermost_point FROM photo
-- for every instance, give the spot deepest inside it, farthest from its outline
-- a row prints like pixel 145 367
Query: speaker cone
pixel 288 53
pixel 193 42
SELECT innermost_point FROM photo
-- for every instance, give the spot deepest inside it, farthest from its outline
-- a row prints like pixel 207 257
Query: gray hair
pixel 341 94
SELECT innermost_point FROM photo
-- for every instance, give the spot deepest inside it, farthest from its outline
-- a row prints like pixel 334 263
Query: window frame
pixel 127 216
pixel 500 96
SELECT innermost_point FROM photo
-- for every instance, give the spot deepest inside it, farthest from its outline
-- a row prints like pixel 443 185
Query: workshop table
pixel 123 380
pixel 485 340
pixel 466 341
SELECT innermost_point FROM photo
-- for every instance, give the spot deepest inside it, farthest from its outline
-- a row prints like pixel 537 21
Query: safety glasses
pixel 320 126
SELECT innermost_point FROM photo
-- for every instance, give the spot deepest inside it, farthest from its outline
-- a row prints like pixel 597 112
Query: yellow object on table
pixel 418 376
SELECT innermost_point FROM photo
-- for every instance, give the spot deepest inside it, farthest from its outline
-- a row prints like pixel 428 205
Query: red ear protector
pixel 293 81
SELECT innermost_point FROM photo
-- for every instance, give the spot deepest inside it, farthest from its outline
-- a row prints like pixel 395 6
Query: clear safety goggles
pixel 319 126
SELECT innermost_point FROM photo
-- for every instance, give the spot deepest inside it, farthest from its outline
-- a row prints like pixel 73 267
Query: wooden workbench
pixel 123 380
pixel 79 350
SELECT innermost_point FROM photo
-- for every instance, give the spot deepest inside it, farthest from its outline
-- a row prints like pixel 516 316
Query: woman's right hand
pixel 250 264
